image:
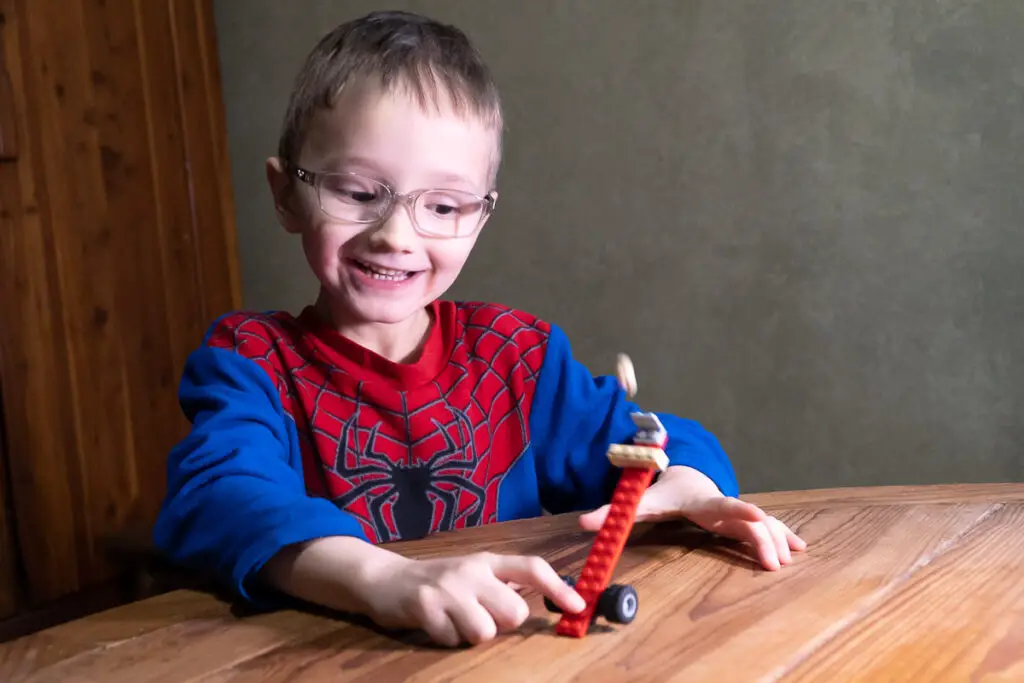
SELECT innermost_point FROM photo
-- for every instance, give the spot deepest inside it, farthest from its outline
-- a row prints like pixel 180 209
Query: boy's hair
pixel 399 49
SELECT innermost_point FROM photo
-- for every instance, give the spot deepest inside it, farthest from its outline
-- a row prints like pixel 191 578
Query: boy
pixel 381 412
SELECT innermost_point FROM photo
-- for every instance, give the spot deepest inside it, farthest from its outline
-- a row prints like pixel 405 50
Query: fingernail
pixel 578 602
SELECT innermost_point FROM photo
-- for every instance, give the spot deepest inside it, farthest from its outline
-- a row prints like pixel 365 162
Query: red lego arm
pixel 639 462
pixel 607 548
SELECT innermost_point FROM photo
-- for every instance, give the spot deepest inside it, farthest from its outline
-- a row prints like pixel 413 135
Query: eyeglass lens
pixel 363 200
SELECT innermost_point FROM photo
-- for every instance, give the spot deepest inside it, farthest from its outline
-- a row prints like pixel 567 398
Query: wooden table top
pixel 898 584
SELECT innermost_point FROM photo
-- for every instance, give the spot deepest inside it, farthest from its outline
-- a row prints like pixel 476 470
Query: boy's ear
pixel 283 190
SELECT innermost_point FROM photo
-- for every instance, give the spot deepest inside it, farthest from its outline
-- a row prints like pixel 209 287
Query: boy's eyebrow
pixel 336 163
pixel 452 178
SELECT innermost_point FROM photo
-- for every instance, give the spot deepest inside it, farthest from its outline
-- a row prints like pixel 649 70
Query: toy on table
pixel 639 460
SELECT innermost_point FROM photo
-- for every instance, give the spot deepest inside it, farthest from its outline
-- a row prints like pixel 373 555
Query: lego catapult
pixel 617 603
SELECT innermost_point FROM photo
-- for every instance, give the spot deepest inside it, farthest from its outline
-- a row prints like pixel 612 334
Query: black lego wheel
pixel 552 607
pixel 619 604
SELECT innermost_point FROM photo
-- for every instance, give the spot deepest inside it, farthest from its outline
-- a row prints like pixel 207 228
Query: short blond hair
pixel 397 49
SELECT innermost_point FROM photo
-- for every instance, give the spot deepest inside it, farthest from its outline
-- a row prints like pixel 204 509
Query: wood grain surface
pixel 898 584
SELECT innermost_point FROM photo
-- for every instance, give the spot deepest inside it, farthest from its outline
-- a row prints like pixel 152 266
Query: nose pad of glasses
pixel 397 224
pixel 409 204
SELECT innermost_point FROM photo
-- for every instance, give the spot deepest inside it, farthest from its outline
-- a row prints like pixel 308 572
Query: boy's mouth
pixel 379 273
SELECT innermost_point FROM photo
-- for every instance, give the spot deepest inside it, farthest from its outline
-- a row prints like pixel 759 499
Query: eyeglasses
pixel 354 198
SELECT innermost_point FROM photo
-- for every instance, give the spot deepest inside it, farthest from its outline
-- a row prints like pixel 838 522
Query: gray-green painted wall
pixel 802 219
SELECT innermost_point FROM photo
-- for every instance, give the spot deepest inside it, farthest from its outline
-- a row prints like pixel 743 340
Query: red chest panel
pixel 406 460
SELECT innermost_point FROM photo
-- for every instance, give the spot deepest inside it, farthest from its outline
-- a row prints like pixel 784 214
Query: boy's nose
pixel 396 230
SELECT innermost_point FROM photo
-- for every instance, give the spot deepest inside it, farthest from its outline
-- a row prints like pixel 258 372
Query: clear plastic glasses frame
pixel 437 212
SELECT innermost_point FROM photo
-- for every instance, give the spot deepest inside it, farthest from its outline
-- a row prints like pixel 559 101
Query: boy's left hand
pixel 683 492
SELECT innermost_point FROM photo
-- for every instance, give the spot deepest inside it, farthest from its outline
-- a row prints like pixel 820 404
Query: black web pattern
pixel 365 457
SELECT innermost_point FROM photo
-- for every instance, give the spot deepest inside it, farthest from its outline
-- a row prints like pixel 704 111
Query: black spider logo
pixel 411 489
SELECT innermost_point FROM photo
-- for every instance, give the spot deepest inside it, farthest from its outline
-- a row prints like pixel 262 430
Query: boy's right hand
pixel 463 599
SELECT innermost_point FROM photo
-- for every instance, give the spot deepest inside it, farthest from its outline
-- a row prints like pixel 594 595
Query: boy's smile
pixel 377 278
pixel 370 274
pixel 383 274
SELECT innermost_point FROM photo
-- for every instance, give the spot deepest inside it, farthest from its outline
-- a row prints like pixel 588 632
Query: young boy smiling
pixel 382 412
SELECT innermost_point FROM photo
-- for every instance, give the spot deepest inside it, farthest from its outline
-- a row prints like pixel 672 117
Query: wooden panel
pixel 9 588
pixel 108 284
pixel 8 181
pixel 35 372
pixel 207 148
pixel 887 589
pixel 8 133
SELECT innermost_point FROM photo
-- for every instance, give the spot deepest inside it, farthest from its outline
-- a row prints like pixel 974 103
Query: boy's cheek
pixel 320 252
pixel 291 224
pixel 456 255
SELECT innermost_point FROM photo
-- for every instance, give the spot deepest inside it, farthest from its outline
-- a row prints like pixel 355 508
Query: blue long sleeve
pixel 575 416
pixel 235 490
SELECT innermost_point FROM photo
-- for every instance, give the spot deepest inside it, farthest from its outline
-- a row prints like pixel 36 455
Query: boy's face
pixel 385 272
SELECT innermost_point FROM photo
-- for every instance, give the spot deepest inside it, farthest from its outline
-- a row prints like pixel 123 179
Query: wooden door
pixel 10 591
pixel 116 251
pixel 9 588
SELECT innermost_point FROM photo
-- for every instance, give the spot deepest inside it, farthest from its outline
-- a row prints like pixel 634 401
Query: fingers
pixel 783 537
pixel 430 611
pixel 764 546
pixel 777 530
pixel 538 574
pixel 773 542
pixel 473 598
pixel 794 541
pixel 468 605
pixel 473 622
pixel 463 621
pixel 505 606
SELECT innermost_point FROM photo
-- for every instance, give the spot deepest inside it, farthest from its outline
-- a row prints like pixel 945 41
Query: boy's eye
pixel 361 196
pixel 442 209
pixel 449 207
pixel 353 190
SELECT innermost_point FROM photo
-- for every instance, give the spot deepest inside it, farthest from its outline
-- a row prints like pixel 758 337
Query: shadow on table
pixel 683 534
pixel 368 637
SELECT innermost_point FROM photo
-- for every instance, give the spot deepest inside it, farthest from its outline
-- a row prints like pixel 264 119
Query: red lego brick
pixel 607 548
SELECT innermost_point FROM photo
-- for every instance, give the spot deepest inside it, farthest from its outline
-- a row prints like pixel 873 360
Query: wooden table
pixel 898 584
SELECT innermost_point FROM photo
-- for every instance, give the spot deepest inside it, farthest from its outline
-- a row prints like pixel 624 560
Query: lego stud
pixel 626 375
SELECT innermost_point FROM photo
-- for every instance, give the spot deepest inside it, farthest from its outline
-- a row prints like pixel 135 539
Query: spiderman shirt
pixel 299 433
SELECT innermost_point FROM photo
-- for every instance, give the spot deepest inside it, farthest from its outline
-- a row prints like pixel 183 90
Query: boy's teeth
pixel 384 273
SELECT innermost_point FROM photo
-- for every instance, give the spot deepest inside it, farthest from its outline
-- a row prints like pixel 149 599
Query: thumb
pixel 592 521
pixel 650 507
